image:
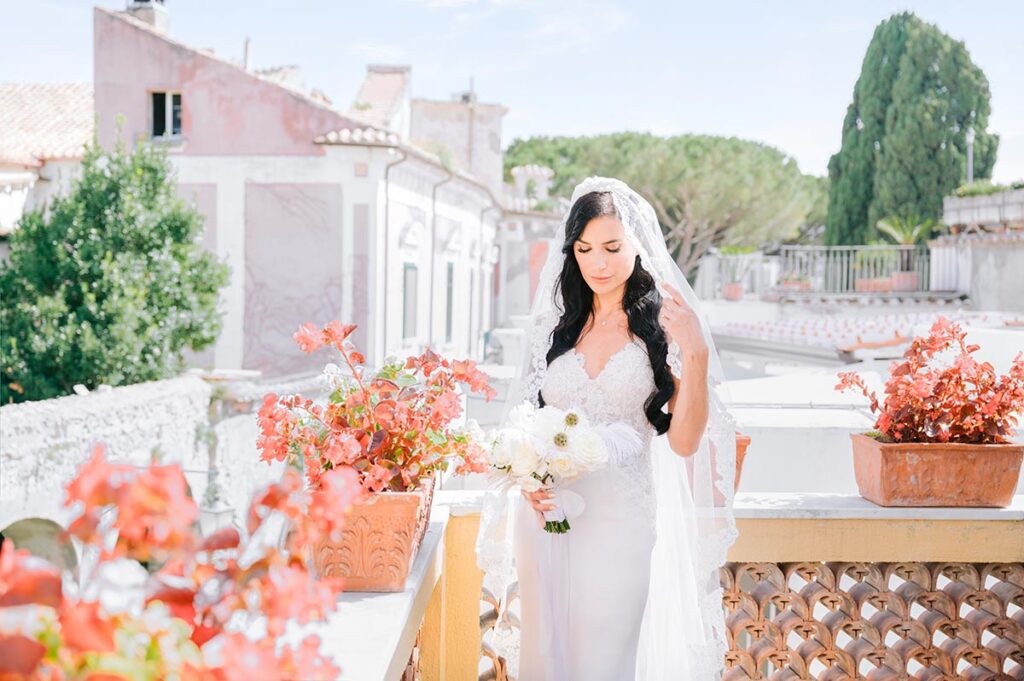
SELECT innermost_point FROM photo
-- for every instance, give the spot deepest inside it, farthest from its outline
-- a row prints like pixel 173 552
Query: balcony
pixel 798 273
pixel 823 586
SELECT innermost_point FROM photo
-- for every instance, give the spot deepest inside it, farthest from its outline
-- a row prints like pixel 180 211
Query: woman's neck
pixel 608 302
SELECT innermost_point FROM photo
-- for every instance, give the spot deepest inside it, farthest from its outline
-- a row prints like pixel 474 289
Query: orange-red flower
pixel 393 427
pixel 84 630
pixel 26 579
pixel 201 582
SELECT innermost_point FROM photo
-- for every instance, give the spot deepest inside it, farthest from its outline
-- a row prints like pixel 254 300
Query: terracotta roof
pixel 42 121
pixel 372 137
pixel 381 93
pixel 359 136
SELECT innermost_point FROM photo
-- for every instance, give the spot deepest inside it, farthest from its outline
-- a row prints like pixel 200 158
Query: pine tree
pixel 110 287
pixel 903 145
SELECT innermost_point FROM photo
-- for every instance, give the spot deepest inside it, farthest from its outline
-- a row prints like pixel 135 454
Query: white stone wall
pixel 43 443
pixel 359 172
pixel 183 420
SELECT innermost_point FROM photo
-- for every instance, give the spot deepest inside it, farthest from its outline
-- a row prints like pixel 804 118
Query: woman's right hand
pixel 539 501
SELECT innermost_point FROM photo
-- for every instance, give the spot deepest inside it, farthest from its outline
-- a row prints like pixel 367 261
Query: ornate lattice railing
pixel 827 587
pixel 854 620
pixel 850 620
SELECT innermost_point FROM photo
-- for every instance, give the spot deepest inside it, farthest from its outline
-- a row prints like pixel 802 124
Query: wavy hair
pixel 641 302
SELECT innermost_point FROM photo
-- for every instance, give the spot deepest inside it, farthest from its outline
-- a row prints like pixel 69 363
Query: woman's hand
pixel 681 324
pixel 537 500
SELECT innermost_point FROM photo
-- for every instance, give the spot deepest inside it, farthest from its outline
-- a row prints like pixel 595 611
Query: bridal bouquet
pixel 545 448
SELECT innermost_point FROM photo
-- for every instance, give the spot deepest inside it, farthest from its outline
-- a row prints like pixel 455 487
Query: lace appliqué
pixel 617 393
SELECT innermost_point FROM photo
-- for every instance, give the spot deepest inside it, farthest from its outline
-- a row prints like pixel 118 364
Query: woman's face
pixel 604 256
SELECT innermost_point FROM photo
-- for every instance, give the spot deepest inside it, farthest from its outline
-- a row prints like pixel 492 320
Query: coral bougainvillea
pixel 191 615
pixel 394 426
pixel 962 401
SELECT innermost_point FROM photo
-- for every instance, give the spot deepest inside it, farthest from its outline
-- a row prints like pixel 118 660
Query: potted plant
pixel 872 268
pixel 906 232
pixel 735 262
pixel 942 435
pixel 394 428
pixel 193 617
pixel 795 282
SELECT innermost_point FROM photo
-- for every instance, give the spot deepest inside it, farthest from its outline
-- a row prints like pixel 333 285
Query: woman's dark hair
pixel 641 301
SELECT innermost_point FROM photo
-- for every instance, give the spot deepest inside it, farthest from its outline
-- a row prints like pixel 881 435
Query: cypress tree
pixel 903 144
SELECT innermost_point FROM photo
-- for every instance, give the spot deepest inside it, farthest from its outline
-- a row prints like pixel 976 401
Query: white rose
pixel 588 450
pixel 522 416
pixel 564 466
pixel 500 454
pixel 524 457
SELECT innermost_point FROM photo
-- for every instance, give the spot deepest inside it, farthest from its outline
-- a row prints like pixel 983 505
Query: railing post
pixel 450 638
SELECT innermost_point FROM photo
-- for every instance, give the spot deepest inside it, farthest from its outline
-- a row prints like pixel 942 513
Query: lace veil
pixel 683 635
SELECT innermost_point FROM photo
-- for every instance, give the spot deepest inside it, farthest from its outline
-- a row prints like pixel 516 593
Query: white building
pixel 43 128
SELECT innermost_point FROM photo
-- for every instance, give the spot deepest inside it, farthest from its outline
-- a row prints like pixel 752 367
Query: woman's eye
pixel 614 250
pixel 580 250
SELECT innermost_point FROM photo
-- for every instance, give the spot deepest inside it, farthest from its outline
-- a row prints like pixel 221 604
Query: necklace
pixel 604 322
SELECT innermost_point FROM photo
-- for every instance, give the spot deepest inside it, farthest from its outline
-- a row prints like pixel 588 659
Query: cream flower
pixel 588 450
pixel 547 423
pixel 524 457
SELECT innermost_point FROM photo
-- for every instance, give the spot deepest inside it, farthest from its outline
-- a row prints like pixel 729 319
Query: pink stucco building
pixel 386 215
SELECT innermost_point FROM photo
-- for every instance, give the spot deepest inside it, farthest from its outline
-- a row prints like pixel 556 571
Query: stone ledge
pixel 371 635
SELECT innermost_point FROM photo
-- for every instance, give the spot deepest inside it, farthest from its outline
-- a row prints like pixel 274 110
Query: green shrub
pixel 111 287
pixel 986 187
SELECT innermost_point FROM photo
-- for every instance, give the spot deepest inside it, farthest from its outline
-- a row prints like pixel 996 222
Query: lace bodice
pixel 617 393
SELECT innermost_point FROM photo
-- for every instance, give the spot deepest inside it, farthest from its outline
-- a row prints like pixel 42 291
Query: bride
pixel 632 590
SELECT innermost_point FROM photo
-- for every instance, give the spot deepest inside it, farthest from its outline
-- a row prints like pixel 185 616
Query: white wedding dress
pixel 609 544
pixel 632 592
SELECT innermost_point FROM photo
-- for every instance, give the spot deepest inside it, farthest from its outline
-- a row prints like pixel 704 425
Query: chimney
pixel 247 54
pixel 151 12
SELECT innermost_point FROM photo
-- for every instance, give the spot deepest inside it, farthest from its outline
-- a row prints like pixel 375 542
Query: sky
pixel 777 72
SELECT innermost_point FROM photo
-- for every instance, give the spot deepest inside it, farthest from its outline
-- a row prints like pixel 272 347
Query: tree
pixel 111 286
pixel 707 191
pixel 903 141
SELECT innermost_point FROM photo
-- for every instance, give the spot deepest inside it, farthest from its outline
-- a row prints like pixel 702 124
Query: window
pixel 409 300
pixel 448 303
pixel 166 114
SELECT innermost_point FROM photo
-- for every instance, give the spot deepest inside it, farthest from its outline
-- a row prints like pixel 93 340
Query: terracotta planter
pixel 742 442
pixel 872 285
pixel 733 291
pixel 905 281
pixel 379 542
pixel 935 474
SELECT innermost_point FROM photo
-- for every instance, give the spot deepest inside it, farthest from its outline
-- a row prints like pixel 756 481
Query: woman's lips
pixel 603 278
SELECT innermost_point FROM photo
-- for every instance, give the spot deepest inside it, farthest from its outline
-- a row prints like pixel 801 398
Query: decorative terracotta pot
pixel 905 281
pixel 733 291
pixel 935 474
pixel 742 442
pixel 379 541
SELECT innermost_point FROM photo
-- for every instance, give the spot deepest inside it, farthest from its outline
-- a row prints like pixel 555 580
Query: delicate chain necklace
pixel 607 317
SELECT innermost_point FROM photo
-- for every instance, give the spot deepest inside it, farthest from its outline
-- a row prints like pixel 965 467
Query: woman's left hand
pixel 681 324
